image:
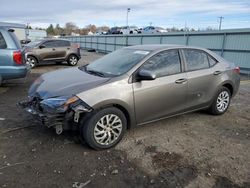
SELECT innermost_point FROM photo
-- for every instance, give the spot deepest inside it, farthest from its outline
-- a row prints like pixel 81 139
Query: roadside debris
pixel 17 128
pixel 80 185
pixel 114 172
pixel 11 165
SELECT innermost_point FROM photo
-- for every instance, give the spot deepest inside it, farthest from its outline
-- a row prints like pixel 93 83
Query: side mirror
pixel 145 75
pixel 42 46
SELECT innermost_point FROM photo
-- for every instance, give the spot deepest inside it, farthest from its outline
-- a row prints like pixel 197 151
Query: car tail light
pixel 237 70
pixel 76 45
pixel 17 57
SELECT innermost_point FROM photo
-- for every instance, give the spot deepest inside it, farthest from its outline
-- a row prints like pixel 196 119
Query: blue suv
pixel 12 56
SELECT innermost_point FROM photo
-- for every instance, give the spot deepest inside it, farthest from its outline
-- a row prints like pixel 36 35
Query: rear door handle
pixel 53 49
pixel 68 48
pixel 217 72
pixel 180 81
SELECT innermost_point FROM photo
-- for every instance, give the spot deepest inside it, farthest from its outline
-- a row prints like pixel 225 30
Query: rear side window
pixel 164 63
pixel 196 59
pixel 3 44
pixel 62 43
pixel 212 61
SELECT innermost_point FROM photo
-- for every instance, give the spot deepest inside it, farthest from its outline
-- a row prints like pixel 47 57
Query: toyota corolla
pixel 132 86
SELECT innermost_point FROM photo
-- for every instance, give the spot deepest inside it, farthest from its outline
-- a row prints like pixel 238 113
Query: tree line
pixel 71 28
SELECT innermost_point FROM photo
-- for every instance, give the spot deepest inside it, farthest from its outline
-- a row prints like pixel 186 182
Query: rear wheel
pixel 221 102
pixel 104 129
pixel 32 61
pixel 72 60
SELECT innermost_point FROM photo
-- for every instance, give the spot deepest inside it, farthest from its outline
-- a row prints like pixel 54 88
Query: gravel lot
pixel 193 150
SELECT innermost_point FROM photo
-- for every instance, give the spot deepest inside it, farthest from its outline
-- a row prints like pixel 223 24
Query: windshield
pixel 34 43
pixel 118 62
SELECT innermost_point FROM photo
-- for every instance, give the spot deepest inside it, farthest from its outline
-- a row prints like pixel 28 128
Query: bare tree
pixel 70 27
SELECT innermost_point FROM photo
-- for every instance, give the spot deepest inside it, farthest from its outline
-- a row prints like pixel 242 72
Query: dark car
pixel 115 30
pixel 52 50
pixel 132 86
pixel 12 57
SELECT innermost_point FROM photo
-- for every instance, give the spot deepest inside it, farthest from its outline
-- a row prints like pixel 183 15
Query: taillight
pixel 17 57
pixel 237 70
pixel 75 45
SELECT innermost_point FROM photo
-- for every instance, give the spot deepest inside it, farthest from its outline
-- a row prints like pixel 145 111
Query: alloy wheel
pixel 73 60
pixel 108 129
pixel 223 101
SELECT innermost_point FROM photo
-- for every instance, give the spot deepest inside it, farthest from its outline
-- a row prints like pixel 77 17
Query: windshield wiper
pixel 95 72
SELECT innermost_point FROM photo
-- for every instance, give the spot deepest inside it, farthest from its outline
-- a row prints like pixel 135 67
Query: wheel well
pixel 125 113
pixel 230 87
pixel 34 57
pixel 124 110
pixel 74 55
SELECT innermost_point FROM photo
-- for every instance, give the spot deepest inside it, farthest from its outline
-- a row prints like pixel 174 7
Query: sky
pixel 197 14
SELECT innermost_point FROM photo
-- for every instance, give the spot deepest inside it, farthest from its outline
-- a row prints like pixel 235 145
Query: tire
pixel 72 60
pixel 100 135
pixel 32 61
pixel 221 102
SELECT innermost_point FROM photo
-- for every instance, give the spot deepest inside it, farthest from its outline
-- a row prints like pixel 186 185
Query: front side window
pixel 50 44
pixel 164 63
pixel 3 44
pixel 196 59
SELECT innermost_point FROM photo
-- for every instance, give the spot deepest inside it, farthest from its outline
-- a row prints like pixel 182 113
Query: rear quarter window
pixel 196 59
pixel 15 39
pixel 3 44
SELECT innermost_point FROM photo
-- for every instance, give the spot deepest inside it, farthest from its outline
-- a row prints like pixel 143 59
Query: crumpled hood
pixel 65 82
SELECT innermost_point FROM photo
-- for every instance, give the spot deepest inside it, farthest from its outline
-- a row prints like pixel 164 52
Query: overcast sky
pixel 166 13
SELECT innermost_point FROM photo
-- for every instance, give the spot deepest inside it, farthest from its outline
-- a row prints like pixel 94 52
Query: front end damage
pixel 60 113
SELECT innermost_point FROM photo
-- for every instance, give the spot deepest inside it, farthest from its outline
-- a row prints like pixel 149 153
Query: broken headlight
pixel 58 103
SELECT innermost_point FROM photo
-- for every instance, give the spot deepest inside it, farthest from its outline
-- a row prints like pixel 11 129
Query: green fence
pixel 233 45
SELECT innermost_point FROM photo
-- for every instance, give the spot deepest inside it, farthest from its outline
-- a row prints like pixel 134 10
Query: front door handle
pixel 53 49
pixel 181 81
pixel 217 72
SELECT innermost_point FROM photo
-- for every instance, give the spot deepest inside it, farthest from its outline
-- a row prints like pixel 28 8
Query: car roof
pixel 156 47
pixel 53 39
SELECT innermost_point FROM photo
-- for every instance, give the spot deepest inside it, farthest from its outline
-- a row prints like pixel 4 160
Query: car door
pixel 62 48
pixel 164 96
pixel 201 77
pixel 46 50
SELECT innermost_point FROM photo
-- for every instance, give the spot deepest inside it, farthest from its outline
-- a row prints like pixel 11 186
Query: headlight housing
pixel 58 103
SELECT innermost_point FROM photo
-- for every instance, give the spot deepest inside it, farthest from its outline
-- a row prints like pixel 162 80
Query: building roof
pixel 12 25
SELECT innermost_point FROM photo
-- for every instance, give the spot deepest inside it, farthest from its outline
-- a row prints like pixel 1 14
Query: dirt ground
pixel 192 150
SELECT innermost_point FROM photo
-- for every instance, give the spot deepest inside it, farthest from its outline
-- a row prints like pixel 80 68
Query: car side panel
pixel 159 98
pixel 202 84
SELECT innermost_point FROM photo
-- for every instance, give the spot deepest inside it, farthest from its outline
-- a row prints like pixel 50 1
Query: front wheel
pixel 221 102
pixel 104 128
pixel 72 60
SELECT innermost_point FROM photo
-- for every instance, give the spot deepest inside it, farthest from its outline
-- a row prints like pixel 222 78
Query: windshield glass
pixel 118 62
pixel 34 43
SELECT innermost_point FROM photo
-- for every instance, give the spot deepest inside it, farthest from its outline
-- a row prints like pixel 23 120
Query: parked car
pixel 132 86
pixel 12 57
pixel 115 30
pixel 129 30
pixel 152 29
pixel 52 50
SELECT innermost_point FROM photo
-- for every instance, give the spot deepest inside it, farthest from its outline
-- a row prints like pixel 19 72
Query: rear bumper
pixel 14 72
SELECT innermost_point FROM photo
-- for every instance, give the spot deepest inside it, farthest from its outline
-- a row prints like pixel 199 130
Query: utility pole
pixel 128 10
pixel 221 17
